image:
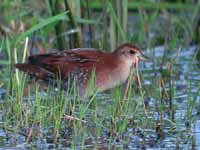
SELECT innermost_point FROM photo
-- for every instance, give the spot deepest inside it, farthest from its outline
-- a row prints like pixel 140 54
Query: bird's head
pixel 130 54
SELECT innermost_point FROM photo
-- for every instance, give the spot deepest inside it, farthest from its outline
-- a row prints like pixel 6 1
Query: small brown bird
pixel 110 69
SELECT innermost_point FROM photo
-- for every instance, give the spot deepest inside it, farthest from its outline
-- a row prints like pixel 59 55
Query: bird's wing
pixel 50 65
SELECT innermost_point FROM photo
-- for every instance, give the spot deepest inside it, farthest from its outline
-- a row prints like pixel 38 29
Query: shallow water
pixel 181 133
pixel 187 86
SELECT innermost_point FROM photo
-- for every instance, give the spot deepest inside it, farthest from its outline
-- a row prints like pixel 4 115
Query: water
pixel 181 133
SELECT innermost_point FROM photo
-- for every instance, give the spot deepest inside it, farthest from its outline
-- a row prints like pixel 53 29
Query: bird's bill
pixel 142 57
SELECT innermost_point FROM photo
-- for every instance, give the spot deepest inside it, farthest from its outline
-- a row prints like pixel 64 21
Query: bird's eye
pixel 132 52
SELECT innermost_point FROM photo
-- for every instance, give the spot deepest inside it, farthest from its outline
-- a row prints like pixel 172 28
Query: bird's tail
pixel 38 72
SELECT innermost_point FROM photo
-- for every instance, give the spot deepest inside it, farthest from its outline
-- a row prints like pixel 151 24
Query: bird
pixel 80 64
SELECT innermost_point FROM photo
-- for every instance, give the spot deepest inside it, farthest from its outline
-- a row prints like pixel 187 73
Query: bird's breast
pixel 110 77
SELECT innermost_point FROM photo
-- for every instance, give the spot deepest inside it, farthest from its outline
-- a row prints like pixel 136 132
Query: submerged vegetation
pixel 162 114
